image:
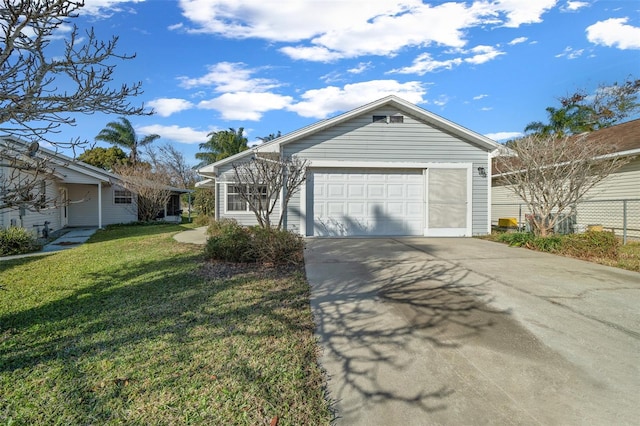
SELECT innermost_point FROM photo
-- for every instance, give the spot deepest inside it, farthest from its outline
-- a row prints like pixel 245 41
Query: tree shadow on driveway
pixel 382 312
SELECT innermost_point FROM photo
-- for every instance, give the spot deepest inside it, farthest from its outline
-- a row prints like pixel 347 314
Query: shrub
pixel 231 242
pixel 14 240
pixel 277 246
pixel 595 244
pixel 516 239
pixel 203 220
pixel 550 244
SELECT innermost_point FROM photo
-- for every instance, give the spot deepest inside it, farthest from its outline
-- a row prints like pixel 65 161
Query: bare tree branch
pixel 261 180
pixel 41 88
pixel 151 186
pixel 551 174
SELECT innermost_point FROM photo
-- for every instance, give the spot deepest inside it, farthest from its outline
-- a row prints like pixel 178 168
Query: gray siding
pixel 247 218
pixel 361 140
pixel 411 141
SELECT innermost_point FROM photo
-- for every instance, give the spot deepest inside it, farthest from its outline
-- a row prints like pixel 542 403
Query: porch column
pixel 100 205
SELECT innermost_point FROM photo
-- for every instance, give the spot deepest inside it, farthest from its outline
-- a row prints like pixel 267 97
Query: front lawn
pixel 135 328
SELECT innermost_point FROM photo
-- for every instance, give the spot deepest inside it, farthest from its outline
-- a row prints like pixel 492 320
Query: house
pixel 73 193
pixel 386 168
pixel 614 203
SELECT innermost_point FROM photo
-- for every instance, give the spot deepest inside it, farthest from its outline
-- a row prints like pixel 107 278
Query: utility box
pixel 507 222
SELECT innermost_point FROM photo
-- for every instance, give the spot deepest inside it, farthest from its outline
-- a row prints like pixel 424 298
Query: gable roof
pixel 62 161
pixel 621 140
pixel 392 101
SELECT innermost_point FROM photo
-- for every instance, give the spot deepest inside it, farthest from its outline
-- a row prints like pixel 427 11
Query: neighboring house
pixel 606 204
pixel 385 168
pixel 78 194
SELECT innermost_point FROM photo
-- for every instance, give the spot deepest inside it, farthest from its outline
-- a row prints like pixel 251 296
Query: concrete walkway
pixel 419 331
pixel 193 236
pixel 70 239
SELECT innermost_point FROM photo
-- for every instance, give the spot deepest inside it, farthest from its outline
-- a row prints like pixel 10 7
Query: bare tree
pixel 151 186
pixel 22 178
pixel 169 159
pixel 551 174
pixel 41 88
pixel 266 180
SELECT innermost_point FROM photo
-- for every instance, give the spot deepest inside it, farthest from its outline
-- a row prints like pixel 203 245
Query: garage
pixel 386 168
pixel 364 202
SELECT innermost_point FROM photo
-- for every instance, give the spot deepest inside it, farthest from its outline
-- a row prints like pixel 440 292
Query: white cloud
pixel 441 101
pixel 230 77
pixel 573 6
pixel 246 105
pixel 424 63
pixel 105 8
pixel 519 12
pixel 350 28
pixel 360 68
pixel 320 103
pixel 477 98
pixel 167 106
pixel 614 32
pixel 185 135
pixel 482 54
pixel 570 53
pixel 175 27
pixel 503 136
pixel 518 40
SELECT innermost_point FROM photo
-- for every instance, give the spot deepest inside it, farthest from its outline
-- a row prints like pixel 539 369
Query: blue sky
pixel 269 66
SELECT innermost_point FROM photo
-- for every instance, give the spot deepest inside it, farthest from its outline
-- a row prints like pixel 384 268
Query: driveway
pixel 421 331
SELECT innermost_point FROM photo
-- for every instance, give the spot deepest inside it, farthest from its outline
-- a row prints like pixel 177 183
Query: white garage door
pixel 368 202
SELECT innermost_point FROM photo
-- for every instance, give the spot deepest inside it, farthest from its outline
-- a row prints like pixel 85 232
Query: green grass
pixel 592 248
pixel 131 328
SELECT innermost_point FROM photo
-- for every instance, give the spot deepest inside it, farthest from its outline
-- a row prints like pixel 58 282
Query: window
pixel 235 203
pixel 388 119
pixel 122 196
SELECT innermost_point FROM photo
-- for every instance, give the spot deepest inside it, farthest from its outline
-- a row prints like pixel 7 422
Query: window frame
pixel 262 188
pixel 124 195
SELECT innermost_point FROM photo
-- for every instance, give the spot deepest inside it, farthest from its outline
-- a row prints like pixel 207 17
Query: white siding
pixel 83 210
pixel 34 220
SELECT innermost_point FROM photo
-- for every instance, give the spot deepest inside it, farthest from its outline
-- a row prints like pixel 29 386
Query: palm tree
pixel 222 144
pixel 123 134
pixel 568 120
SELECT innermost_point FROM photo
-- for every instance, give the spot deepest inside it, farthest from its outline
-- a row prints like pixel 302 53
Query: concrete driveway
pixel 421 331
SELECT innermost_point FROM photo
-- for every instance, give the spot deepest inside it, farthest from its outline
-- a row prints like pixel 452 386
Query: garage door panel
pixel 356 190
pixel 375 190
pixel 396 191
pixel 335 190
pixel 358 209
pixel 383 202
pixel 334 209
